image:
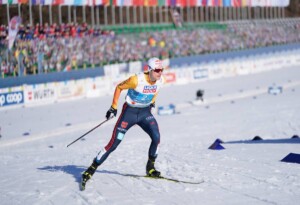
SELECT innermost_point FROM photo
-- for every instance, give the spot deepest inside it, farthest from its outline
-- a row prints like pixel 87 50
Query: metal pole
pixel 134 15
pixel 148 14
pixel 7 11
pixel 30 13
pixel 181 13
pixel 105 15
pixel 127 16
pixel 221 13
pixel 93 16
pixel 271 14
pixel 206 14
pixel 249 12
pixel 84 14
pixel 74 14
pixel 59 14
pixel 121 15
pixel 234 13
pixel 141 15
pixel 167 15
pixel 160 14
pixel 113 15
pixel 50 14
pixel 197 14
pixel 40 13
pixel 154 14
pixel 19 10
pixel 97 16
pixel 69 14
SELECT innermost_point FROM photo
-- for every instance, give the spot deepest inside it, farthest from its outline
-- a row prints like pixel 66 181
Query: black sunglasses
pixel 158 70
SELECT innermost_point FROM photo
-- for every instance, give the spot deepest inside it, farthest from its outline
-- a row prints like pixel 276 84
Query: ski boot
pixel 88 174
pixel 150 169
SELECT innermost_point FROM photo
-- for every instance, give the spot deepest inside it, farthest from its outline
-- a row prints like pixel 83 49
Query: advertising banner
pixel 71 89
pixel 200 73
pixel 39 94
pixel 11 98
pixel 96 87
pixel 170 76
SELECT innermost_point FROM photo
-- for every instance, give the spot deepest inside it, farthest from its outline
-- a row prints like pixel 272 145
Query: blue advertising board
pixel 11 98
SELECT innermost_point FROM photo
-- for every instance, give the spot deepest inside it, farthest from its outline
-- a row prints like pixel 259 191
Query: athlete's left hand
pixel 152 105
pixel 111 111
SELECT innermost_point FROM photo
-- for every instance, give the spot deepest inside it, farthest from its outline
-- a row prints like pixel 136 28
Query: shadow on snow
pixel 76 171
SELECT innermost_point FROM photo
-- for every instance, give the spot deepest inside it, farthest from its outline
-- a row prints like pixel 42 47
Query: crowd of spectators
pixel 72 46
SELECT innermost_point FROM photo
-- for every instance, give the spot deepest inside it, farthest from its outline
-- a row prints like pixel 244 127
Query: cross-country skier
pixel 140 99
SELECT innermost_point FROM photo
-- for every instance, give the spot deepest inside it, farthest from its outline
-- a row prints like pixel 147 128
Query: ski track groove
pixel 134 195
pixel 243 194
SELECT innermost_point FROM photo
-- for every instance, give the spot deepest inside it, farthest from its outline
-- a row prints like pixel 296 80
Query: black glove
pixel 152 105
pixel 111 111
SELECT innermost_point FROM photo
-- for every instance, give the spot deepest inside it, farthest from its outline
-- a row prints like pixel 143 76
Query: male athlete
pixel 142 91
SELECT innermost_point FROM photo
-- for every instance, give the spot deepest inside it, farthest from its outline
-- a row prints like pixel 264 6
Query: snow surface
pixel 38 168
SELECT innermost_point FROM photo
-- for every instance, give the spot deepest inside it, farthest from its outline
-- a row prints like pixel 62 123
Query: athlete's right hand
pixel 111 111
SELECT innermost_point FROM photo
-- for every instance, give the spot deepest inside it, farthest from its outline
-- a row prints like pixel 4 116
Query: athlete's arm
pixel 131 82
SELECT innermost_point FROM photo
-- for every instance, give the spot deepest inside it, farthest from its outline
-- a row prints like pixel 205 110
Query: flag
pixel 199 2
pixel 260 3
pixel 57 2
pixel 246 3
pixel 212 2
pixel 127 2
pixel 68 2
pixel 138 2
pixel 106 2
pixel 78 3
pixel 13 30
pixel 23 1
pixel 48 2
pixel 153 2
pixel 162 3
pixel 38 2
pixel 284 3
pixel 171 2
pixel 9 2
pixel 227 3
pixel 119 2
pixel 181 3
pixel 150 2
pixel 236 3
pixel 192 3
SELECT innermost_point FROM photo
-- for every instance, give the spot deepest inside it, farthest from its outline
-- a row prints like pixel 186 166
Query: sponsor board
pixel 96 87
pixel 215 71
pixel 40 94
pixel 70 89
pixel 11 98
pixel 200 73
pixel 170 77
pixel 166 110
pixel 184 76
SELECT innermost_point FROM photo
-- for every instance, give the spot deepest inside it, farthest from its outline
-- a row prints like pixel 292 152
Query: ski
pixel 82 184
pixel 165 178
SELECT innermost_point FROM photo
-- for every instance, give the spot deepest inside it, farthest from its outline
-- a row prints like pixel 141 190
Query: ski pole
pixel 89 131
